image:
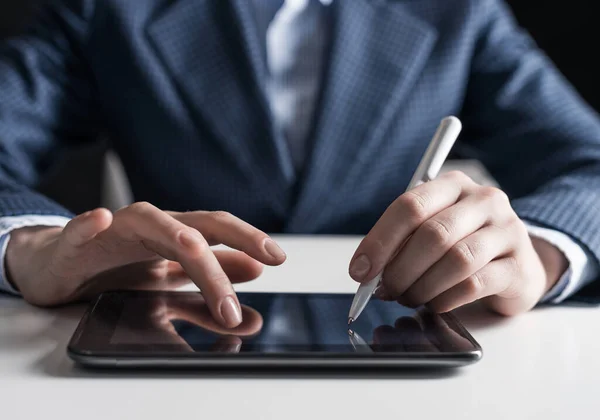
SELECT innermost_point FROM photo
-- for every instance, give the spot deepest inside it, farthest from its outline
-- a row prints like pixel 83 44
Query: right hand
pixel 99 251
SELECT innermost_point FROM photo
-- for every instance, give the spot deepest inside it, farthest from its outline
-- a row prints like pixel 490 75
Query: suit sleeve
pixel 46 103
pixel 533 132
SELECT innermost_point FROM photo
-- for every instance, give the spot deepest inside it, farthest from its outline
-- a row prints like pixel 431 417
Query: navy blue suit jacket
pixel 179 87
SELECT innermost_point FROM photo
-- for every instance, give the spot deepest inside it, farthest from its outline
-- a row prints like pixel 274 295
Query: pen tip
pixel 350 320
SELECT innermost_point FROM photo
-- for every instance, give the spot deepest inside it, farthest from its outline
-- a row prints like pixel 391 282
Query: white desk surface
pixel 542 365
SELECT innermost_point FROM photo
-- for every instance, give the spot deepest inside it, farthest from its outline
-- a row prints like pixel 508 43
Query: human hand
pixel 99 251
pixel 449 242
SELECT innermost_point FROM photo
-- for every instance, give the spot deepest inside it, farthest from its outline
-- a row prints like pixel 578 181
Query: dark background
pixel 566 30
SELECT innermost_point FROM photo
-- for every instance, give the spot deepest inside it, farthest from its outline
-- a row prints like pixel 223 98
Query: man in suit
pixel 239 117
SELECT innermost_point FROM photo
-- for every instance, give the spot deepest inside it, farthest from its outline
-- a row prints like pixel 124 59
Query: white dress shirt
pixel 296 42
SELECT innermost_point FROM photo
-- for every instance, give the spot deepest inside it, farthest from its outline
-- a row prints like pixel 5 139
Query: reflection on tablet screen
pixel 280 323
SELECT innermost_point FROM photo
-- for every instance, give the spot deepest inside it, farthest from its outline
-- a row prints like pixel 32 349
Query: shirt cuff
pixel 7 225
pixel 582 267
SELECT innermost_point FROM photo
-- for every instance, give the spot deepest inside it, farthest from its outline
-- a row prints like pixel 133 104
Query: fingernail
pixel 273 249
pixel 86 214
pixel 360 268
pixel 231 313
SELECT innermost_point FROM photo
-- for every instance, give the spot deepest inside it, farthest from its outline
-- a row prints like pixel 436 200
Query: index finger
pixel 158 232
pixel 220 227
pixel 401 219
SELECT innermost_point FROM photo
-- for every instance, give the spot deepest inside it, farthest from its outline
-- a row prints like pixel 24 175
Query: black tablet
pixel 287 330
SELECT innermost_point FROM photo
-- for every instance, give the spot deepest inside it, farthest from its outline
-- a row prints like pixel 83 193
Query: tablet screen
pixel 176 322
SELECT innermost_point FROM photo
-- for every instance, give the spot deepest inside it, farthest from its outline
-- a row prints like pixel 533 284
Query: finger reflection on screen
pixel 193 310
pixel 407 335
pixel 440 332
pixel 227 344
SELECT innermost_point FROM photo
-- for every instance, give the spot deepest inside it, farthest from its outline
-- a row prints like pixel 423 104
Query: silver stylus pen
pixel 429 167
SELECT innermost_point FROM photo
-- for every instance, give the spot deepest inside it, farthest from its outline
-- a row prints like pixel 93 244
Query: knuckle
pixel 513 228
pixel 414 205
pixel 219 281
pixel 459 177
pixel 221 216
pixel 436 233
pixel 509 222
pixel 496 195
pixel 194 243
pixel 517 225
pixel 141 207
pixel 474 285
pixel 462 256
pixel 517 238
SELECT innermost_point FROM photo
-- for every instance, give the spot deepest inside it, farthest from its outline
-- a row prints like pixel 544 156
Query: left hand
pixel 450 242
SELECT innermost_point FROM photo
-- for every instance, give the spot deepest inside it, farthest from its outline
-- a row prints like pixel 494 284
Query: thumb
pixel 85 227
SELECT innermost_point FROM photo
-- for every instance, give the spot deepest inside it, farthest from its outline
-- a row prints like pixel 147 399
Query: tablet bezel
pixel 88 346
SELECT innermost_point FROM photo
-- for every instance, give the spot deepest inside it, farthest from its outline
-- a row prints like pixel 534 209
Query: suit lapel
pixel 212 51
pixel 378 50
